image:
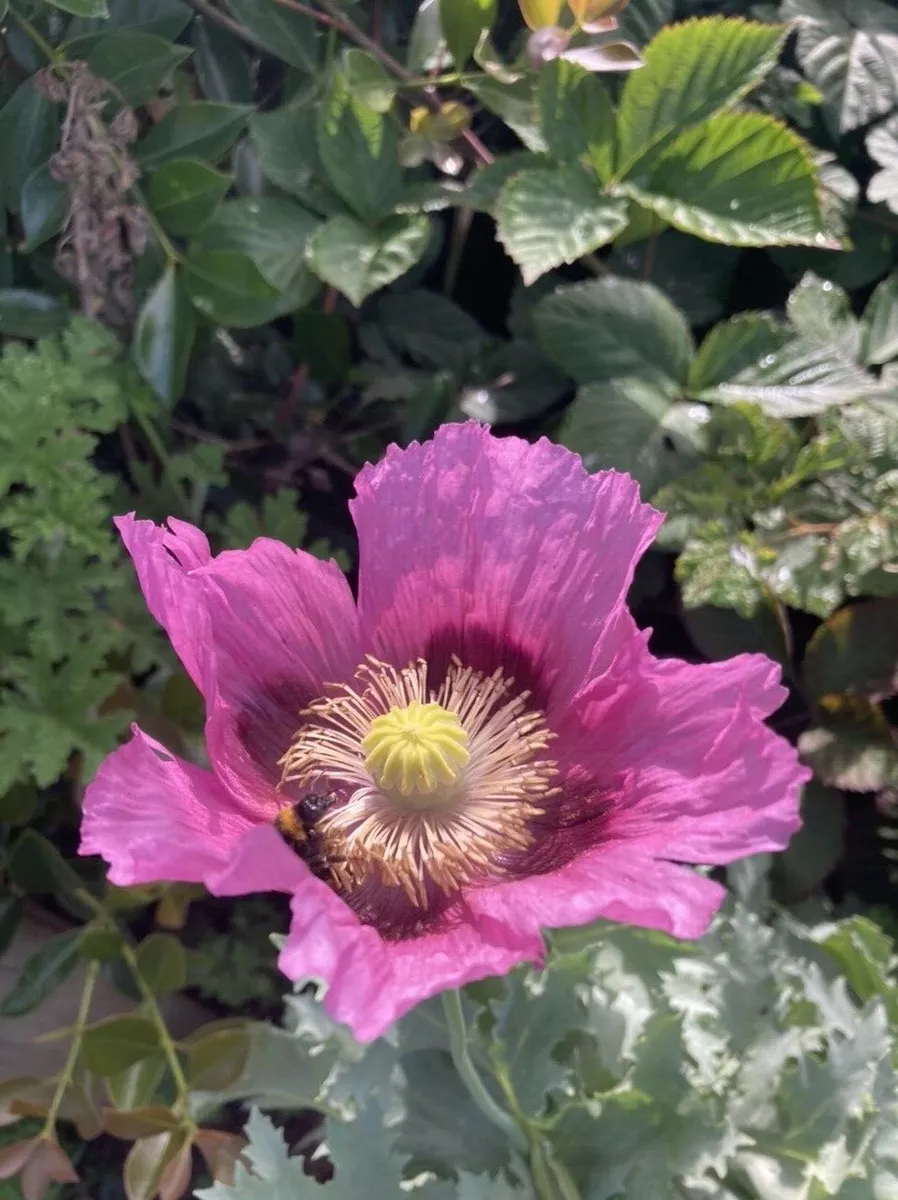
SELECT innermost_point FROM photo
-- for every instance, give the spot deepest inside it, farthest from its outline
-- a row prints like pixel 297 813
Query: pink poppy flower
pixel 500 752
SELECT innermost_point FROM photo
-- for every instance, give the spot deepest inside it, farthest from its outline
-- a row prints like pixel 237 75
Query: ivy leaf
pixel 164 335
pixel 184 194
pixel 137 64
pixel 849 53
pixel 741 178
pixel 614 329
pixel 553 216
pixel 692 70
pixel 359 260
pixel 286 33
pixel 197 129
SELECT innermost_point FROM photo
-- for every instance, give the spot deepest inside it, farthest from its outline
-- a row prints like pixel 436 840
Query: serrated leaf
pixel 855 749
pixel 288 34
pixel 553 216
pixel 359 260
pixel 741 178
pixel 614 329
pixel 368 80
pixel 850 54
pixel 576 116
pixel 285 145
pixel 821 311
pixel 753 358
pixel 880 324
pixel 634 425
pixel 720 570
pixel 42 972
pixel 515 104
pixel 358 149
pixel 691 71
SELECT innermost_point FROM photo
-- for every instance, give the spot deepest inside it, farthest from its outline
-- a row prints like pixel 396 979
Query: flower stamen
pixel 439 787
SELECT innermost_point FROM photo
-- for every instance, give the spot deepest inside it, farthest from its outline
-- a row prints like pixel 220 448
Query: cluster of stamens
pixel 434 786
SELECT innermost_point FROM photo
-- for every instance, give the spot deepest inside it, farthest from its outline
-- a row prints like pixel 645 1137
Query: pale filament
pixel 485 814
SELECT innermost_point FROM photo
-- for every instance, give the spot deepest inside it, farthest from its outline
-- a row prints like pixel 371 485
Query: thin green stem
pixel 461 1057
pixel 149 431
pixel 166 1042
pixel 50 53
pixel 68 1070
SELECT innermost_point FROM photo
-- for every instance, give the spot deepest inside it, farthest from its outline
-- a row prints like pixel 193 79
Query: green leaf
pixel 228 288
pixel 753 358
pixel 29 132
pixel 358 149
pixel 612 329
pixel 882 146
pixel 555 215
pixel 184 193
pixel 881 323
pixel 223 64
pixel 368 81
pixel 816 849
pixel 867 957
pixel 114 1045
pixel 721 633
pixel 83 8
pixel 849 53
pixel 576 115
pixel 821 311
pixel 11 908
pixel 42 972
pixel 162 962
pixel 740 178
pixel 285 145
pixel 359 260
pixel 164 336
pixel 431 329
pixel 720 570
pixel 217 1057
pixel 164 18
pixel 274 233
pixel 25 314
pixel 855 653
pixel 37 868
pixel 198 129
pixel 135 63
pixel 515 103
pixel 854 749
pixel 43 206
pixel 634 425
pixel 691 71
pixel 463 22
pixel 287 34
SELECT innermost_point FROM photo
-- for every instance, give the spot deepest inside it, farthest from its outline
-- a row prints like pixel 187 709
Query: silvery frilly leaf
pixel 360 1150
pixel 539 1010
pixel 274 1175
pixel 358 1074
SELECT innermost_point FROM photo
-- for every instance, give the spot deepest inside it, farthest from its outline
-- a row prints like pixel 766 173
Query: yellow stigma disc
pixel 416 751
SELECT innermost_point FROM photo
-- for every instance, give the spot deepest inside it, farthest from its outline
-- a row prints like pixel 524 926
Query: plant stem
pixel 169 1049
pixel 65 1077
pixel 208 10
pixel 52 56
pixel 148 429
pixel 461 1057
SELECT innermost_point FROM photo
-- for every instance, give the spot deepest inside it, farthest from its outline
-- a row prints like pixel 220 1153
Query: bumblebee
pixel 298 826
